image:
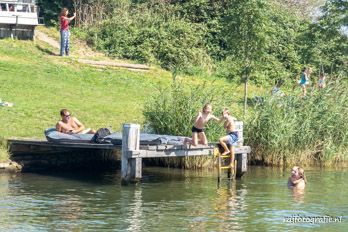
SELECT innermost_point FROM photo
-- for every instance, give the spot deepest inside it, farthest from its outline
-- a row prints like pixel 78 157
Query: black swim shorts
pixel 196 130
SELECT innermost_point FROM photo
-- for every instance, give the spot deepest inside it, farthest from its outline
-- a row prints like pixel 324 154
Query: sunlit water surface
pixel 172 200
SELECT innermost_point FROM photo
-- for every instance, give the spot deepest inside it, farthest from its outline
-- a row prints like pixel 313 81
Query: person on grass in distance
pixel 64 31
pixel 71 125
pixel 276 92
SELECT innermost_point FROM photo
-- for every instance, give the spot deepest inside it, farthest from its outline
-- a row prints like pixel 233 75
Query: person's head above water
pixel 294 171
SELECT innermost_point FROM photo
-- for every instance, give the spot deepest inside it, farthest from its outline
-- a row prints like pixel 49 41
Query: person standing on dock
pixel 203 117
pixel 232 136
pixel 71 125
pixel 64 31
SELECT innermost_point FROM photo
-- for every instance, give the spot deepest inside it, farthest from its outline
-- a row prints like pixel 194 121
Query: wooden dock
pixel 132 152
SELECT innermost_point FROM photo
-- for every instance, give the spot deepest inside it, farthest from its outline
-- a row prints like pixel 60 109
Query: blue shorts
pixel 232 138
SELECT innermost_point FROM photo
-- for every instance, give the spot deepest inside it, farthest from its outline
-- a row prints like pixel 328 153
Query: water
pixel 171 200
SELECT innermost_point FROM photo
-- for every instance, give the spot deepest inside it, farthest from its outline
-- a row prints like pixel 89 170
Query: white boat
pixel 18 18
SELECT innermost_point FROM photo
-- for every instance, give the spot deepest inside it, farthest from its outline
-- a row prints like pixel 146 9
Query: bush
pixel 292 130
pixel 151 34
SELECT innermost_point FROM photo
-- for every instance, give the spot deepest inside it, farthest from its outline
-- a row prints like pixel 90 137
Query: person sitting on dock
pixel 71 125
pixel 297 178
pixel 201 120
pixel 232 136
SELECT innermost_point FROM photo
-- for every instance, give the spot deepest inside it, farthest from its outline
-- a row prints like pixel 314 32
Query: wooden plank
pixel 176 147
pixel 177 153
pixel 62 145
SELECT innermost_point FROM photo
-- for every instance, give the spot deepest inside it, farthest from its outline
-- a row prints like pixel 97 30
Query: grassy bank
pixel 40 84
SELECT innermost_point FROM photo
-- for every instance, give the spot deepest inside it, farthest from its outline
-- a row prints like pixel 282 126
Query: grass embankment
pixel 40 84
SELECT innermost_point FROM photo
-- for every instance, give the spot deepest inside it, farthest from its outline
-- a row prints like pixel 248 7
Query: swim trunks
pixel 196 130
pixel 232 138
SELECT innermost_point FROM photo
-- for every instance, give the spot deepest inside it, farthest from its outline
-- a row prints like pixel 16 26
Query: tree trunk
pixel 245 94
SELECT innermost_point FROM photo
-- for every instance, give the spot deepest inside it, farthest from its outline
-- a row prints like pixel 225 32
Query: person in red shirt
pixel 64 31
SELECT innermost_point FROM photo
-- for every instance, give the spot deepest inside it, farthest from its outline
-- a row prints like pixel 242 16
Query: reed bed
pixel 294 130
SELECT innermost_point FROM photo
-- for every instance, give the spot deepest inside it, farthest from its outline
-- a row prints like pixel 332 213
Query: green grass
pixel 40 84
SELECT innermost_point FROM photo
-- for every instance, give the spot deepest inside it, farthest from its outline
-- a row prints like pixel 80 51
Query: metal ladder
pixel 230 167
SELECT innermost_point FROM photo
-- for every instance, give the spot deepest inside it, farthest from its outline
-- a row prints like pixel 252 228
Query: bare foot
pixel 225 153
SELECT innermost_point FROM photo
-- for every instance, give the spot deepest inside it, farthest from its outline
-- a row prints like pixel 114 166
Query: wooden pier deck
pixel 132 152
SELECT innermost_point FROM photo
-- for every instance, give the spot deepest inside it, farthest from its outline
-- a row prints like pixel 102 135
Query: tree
pixel 245 29
pixel 325 41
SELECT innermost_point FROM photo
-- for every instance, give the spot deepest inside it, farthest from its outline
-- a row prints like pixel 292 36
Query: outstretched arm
pixel 216 118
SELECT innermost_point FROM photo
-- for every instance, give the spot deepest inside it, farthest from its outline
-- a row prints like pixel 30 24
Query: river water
pixel 174 200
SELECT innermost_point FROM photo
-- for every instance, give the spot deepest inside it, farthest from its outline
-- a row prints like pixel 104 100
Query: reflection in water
pixel 135 211
pixel 298 194
pixel 229 203
pixel 69 210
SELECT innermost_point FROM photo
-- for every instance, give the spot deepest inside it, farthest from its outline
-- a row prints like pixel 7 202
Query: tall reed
pixel 4 155
pixel 172 111
pixel 293 130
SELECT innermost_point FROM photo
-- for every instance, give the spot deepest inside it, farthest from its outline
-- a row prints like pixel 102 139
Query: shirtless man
pixel 198 127
pixel 232 135
pixel 71 125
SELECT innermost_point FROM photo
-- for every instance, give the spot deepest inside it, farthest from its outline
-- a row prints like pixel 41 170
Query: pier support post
pixel 242 164
pixel 131 168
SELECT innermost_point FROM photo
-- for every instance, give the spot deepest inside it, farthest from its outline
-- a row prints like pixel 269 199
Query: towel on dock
pixel 115 138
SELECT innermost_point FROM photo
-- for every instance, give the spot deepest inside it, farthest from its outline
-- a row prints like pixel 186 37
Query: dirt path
pixel 86 55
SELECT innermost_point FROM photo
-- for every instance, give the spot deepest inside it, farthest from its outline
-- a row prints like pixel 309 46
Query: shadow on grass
pixel 47 51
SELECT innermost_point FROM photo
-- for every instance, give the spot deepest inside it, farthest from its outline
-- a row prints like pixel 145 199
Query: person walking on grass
pixel 231 138
pixel 202 118
pixel 64 31
pixel 304 80
pixel 321 82
pixel 276 92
